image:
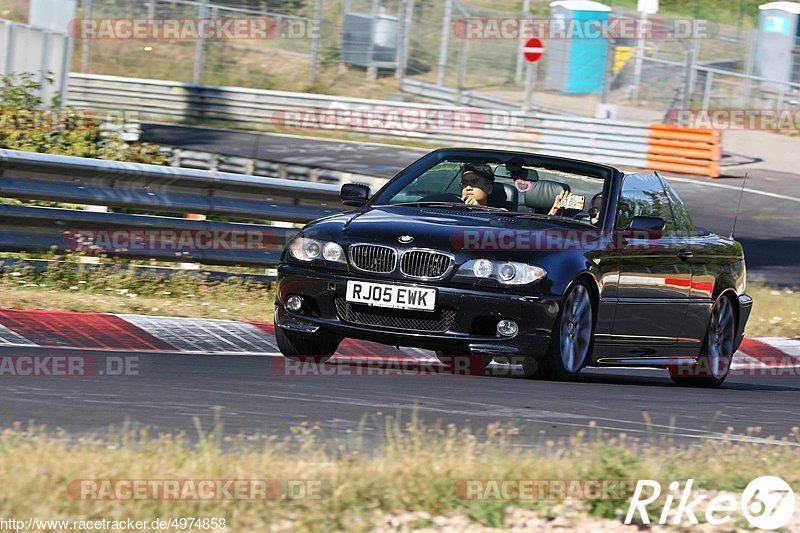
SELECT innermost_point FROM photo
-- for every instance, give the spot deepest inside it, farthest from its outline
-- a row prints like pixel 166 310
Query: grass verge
pixel 73 287
pixel 413 477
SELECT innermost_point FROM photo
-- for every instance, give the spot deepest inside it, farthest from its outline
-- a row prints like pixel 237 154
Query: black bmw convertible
pixel 553 263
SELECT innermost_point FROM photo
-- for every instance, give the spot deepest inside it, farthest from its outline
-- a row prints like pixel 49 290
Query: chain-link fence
pixel 338 46
pixel 681 63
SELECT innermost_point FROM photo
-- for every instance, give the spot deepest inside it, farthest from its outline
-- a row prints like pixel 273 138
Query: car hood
pixel 430 227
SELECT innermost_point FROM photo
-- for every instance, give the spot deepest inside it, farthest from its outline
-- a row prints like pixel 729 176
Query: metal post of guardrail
pixel 86 44
pixel 707 90
pixel 200 47
pixel 277 40
pixel 689 74
pixel 463 53
pixel 8 46
pixel 530 83
pixel 519 69
pixel 372 70
pixel 640 47
pixel 405 14
pixel 44 71
pixel 448 13
pixel 316 39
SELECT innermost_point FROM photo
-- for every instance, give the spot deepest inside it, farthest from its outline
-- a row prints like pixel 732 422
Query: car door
pixel 654 282
pixel 701 259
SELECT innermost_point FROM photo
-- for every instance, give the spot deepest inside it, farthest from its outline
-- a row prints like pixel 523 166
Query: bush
pixel 27 124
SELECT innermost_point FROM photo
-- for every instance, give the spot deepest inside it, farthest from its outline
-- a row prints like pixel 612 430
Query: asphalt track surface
pixel 251 397
pixel 767 227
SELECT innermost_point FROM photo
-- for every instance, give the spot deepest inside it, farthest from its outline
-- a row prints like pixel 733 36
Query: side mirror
pixel 649 224
pixel 355 194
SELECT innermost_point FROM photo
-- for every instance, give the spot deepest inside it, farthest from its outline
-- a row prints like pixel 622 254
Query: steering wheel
pixel 442 197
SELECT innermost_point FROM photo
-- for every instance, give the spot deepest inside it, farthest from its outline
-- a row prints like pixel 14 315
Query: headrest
pixel 597 201
pixel 504 195
pixel 542 194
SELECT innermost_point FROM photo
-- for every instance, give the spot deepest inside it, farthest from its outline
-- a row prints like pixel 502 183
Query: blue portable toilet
pixel 576 65
pixel 778 56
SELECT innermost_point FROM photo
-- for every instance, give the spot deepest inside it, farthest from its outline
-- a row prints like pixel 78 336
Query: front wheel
pixel 571 339
pixel 303 347
pixel 716 354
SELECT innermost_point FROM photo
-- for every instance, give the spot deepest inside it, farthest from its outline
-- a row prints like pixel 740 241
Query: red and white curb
pixel 140 333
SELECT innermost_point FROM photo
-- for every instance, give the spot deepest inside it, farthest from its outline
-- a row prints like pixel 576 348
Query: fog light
pixel 294 303
pixel 507 328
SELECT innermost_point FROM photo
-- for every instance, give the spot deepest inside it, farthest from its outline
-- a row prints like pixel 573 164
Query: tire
pixel 572 339
pixel 299 347
pixel 716 354
pixel 471 365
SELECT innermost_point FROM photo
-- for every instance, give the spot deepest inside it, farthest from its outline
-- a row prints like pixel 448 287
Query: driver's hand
pixel 469 199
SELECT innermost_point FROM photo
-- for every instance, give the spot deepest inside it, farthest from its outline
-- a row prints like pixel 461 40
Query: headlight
pixel 305 249
pixel 482 268
pixel 506 272
pixel 332 252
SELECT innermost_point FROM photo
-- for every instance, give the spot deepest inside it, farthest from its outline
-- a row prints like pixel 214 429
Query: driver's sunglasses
pixel 476 182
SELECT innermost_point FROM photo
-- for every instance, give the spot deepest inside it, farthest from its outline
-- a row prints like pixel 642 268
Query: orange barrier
pixel 687 150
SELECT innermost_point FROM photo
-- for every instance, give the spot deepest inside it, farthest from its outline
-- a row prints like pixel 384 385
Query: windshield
pixel 513 184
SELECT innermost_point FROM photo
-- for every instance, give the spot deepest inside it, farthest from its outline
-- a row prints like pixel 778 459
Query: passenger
pixel 594 210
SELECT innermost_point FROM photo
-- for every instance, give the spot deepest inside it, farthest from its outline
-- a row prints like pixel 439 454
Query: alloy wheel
pixel 576 329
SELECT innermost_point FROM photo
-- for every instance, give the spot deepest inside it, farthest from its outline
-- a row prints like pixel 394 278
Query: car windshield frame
pixel 474 155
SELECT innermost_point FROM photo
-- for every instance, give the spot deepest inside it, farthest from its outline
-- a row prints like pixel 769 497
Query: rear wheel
pixel 304 347
pixel 716 355
pixel 571 339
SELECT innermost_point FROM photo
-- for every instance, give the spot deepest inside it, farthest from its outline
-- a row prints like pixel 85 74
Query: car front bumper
pixel 470 331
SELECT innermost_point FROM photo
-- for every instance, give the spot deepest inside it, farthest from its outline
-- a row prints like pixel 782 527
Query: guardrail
pixel 274 169
pixel 152 188
pixel 610 141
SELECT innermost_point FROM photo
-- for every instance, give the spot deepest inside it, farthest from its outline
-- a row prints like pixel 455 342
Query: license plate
pixel 394 296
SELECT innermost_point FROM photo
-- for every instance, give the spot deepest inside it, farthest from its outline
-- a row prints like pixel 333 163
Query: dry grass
pixel 415 469
pixel 776 312
pixel 123 292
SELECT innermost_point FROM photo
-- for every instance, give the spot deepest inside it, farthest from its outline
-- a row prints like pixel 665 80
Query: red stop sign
pixel 533 50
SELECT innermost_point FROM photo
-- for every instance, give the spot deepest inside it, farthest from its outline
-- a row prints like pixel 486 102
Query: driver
pixel 477 183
